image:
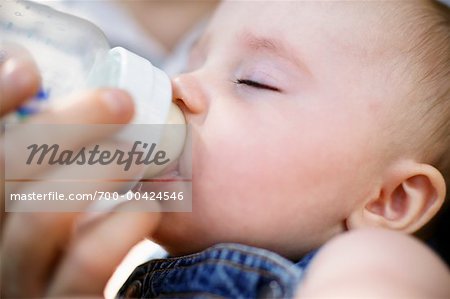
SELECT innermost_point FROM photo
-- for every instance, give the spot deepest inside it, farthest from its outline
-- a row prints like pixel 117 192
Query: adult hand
pixel 42 253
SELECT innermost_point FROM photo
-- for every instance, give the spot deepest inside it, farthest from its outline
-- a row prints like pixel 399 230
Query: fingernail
pixel 16 75
pixel 117 101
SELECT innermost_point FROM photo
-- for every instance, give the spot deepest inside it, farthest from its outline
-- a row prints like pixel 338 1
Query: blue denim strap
pixel 222 271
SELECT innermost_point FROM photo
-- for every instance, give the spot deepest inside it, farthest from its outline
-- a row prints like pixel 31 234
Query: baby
pixel 310 119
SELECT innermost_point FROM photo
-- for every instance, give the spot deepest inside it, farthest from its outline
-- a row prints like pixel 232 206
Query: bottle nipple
pixel 172 140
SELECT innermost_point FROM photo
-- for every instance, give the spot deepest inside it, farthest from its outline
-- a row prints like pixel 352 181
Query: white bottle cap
pixel 151 90
pixel 149 86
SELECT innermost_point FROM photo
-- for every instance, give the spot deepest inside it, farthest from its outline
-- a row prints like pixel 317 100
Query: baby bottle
pixel 73 54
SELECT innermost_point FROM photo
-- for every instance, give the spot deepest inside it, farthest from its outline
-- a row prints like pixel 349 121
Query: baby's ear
pixel 408 197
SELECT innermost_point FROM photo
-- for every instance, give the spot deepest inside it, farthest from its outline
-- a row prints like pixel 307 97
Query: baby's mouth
pixel 179 169
pixel 176 175
pixel 171 172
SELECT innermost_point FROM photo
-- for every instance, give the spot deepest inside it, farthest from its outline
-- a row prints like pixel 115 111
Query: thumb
pixel 19 77
pixel 96 253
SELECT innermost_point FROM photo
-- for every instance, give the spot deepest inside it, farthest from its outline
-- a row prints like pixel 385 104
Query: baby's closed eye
pixel 256 84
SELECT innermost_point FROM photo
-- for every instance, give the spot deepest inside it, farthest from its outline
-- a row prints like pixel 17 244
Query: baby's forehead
pixel 366 43
pixel 364 28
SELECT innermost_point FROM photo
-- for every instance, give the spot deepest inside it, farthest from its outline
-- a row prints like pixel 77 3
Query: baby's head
pixel 312 118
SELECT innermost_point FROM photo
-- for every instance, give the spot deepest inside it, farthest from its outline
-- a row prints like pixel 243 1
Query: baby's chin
pixel 185 233
pixel 182 234
pixel 178 236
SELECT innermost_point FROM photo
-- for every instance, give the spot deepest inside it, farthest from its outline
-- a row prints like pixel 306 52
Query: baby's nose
pixel 188 93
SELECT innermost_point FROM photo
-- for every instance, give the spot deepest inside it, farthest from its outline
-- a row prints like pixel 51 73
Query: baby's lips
pixel 172 143
pixel 185 160
pixel 170 172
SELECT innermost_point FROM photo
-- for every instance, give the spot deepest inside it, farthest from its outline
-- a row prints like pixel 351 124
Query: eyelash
pixel 255 84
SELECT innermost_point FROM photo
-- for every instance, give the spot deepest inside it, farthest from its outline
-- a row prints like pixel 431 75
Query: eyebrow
pixel 275 46
pixel 255 43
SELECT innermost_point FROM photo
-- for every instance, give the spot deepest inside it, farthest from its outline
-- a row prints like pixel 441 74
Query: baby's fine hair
pixel 430 60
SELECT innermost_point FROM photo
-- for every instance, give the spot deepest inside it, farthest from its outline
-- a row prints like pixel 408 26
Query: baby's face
pixel 288 111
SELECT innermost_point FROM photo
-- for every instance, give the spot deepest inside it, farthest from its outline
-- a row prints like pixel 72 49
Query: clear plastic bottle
pixel 73 54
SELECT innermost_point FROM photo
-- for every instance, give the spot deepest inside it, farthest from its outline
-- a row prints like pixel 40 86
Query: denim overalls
pixel 221 271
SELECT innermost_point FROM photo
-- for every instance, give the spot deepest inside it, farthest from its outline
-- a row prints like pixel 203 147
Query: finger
pixel 101 106
pixel 87 268
pixel 19 81
pixel 94 107
pixel 72 187
pixel 34 242
pixel 26 255
pixel 110 106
